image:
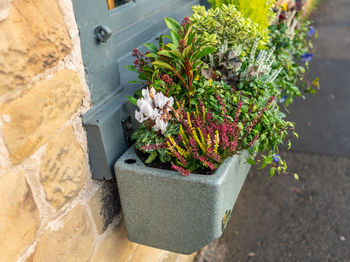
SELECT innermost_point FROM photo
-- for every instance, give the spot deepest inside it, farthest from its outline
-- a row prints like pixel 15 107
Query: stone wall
pixel 50 209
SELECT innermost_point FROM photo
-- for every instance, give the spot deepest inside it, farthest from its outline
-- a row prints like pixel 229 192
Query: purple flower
pixel 307 57
pixel 311 31
pixel 283 99
pixel 276 158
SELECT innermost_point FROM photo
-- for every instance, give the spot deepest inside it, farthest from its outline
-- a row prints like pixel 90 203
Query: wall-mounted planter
pixel 166 210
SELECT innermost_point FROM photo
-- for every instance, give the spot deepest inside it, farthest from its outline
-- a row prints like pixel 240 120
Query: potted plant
pixel 210 103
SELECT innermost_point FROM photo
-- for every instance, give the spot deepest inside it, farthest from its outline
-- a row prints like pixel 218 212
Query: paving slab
pixel 323 120
pixel 281 219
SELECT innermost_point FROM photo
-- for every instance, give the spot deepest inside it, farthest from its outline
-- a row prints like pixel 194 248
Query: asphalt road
pixel 281 219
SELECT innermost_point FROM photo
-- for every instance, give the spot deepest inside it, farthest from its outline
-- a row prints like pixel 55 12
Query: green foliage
pixel 226 24
pixel 258 11
pixel 172 68
pixel 219 82
pixel 253 82
pixel 291 44
pixel 150 141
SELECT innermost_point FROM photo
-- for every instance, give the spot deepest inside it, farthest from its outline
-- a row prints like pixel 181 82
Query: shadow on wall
pixel 109 198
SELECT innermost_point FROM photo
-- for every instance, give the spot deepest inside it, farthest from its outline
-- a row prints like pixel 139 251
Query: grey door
pixel 131 23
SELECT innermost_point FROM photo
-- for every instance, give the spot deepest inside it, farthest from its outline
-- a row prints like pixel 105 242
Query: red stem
pixel 179 76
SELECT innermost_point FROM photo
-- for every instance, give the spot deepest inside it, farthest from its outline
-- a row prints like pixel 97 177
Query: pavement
pixel 279 218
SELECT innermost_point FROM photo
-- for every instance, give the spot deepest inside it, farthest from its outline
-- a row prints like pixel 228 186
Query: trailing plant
pixel 291 35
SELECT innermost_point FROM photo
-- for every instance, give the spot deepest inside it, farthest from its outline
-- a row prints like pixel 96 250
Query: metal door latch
pixel 127 129
pixel 102 33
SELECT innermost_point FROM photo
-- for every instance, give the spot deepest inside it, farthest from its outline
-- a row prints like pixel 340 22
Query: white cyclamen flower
pixel 160 100
pixel 148 94
pixel 148 111
pixel 154 106
pixel 171 101
pixel 139 117
pixel 160 125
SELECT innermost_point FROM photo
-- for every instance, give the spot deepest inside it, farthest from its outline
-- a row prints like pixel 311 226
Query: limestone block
pixel 103 205
pixel 33 39
pixel 74 242
pixel 63 168
pixel 39 112
pixel 4 9
pixel 116 247
pixel 189 258
pixel 19 216
pixel 145 254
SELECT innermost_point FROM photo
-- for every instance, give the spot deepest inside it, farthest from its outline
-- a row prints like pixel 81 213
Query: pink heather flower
pixel 180 158
pixel 253 141
pixel 205 161
pixel 223 134
pixel 222 104
pixel 233 146
pixel 238 111
pixel 181 170
pixel 216 157
pixel 150 147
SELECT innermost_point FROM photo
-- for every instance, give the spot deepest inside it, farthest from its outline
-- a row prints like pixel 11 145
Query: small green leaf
pixel 296 134
pixel 138 92
pixel 136 82
pixel 191 38
pixel 272 171
pixel 143 77
pixel 172 24
pixel 132 100
pixel 186 51
pixel 153 55
pixel 162 65
pixel 251 161
pixel 166 53
pixel 131 68
pixel 175 37
pixel 172 46
pixel 206 51
pixel 289 144
pixel 296 177
pixel 263 166
pixel 176 53
pixel 151 47
pixel 151 157
pixel 188 32
pixel 244 108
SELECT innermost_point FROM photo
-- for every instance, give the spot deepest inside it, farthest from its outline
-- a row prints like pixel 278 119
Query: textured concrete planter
pixel 165 210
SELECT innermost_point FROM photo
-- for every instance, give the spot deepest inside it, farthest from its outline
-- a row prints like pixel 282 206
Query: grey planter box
pixel 166 210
